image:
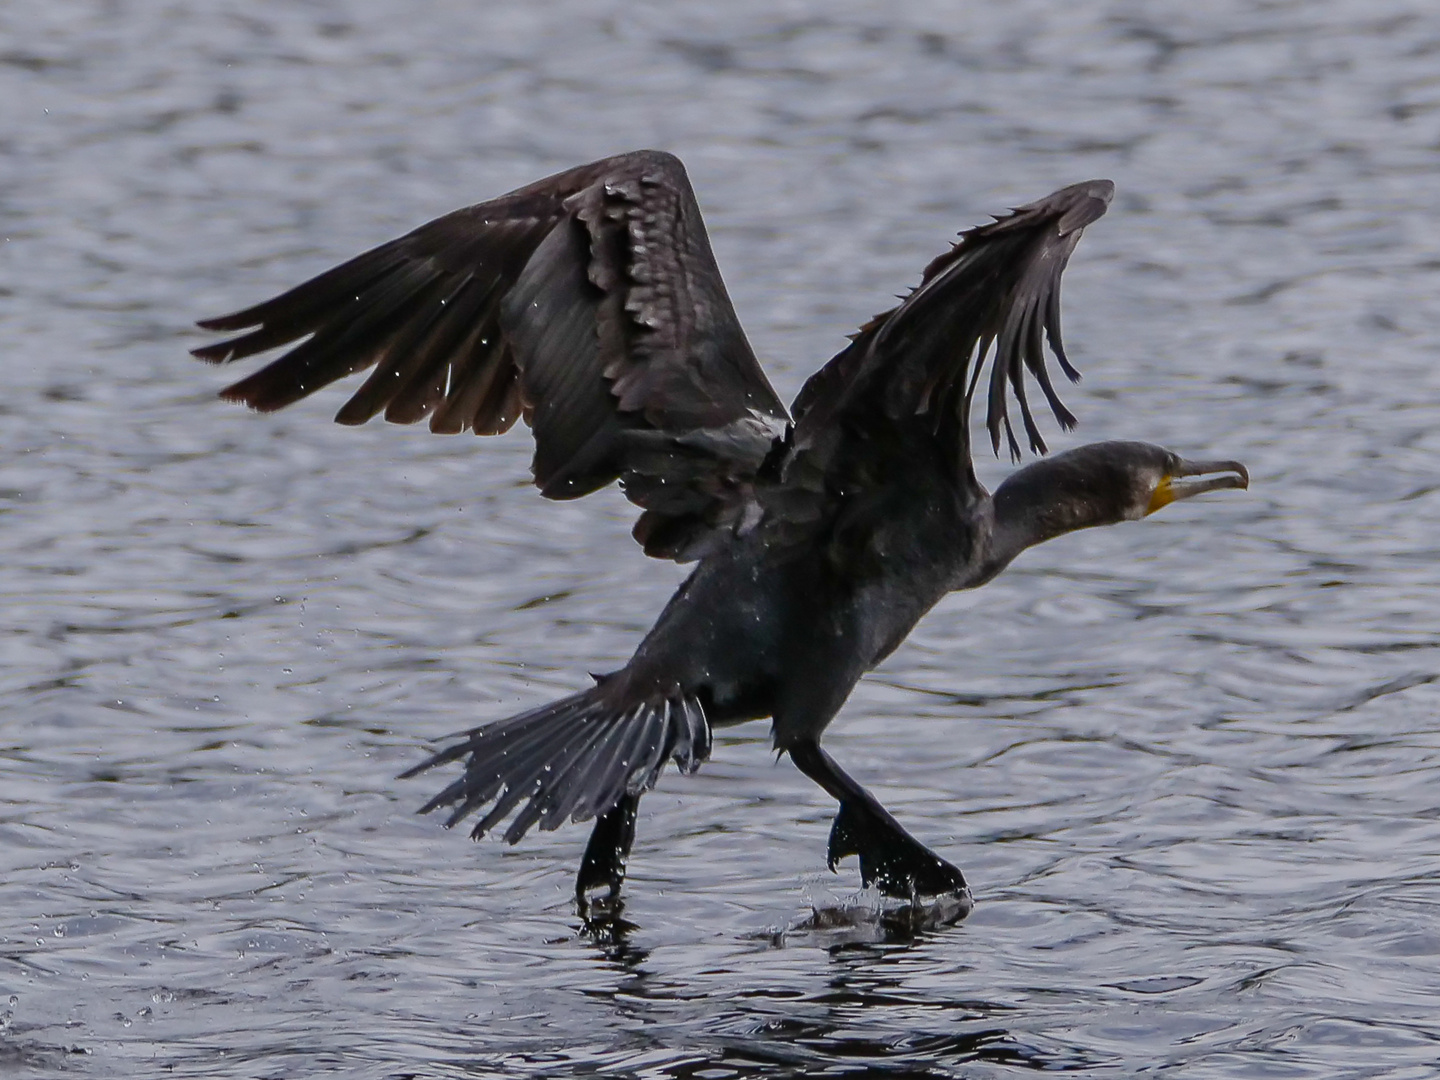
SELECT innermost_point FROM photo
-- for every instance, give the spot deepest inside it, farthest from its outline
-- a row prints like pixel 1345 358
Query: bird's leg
pixel 889 856
pixel 603 865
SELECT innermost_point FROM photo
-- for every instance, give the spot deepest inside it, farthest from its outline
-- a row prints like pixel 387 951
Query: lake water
pixel 1190 766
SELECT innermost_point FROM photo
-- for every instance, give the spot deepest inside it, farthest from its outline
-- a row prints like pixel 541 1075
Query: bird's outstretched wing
pixel 588 302
pixel 913 370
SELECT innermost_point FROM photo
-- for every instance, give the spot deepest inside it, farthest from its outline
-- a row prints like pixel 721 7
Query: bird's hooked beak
pixel 1173 488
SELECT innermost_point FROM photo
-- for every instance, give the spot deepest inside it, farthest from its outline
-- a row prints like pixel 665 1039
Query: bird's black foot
pixel 890 857
pixel 603 865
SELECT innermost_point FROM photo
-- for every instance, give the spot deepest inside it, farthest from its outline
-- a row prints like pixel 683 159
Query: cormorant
pixel 590 304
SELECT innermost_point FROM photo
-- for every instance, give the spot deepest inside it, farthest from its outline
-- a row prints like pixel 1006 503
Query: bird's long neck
pixel 1044 500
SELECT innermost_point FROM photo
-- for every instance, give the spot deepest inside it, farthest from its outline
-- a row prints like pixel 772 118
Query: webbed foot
pixel 603 865
pixel 890 858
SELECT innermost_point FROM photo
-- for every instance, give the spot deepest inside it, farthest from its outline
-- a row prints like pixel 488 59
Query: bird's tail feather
pixel 572 759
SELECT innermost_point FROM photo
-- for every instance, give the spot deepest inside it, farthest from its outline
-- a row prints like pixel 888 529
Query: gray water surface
pixel 1191 766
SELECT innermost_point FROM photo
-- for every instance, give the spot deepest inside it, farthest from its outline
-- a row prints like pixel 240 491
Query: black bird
pixel 590 304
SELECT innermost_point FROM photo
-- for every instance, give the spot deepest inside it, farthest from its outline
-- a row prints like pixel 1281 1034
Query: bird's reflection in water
pixel 866 919
pixel 865 1003
pixel 878 921
pixel 603 925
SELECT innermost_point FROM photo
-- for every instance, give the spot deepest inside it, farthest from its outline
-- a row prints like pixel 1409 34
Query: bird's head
pixel 1103 484
pixel 1126 481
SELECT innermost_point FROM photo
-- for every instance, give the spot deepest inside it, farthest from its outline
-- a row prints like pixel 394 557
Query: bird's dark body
pixel 590 304
pixel 764 629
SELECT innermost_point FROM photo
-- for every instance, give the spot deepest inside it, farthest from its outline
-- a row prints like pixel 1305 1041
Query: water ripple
pixel 1190 766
